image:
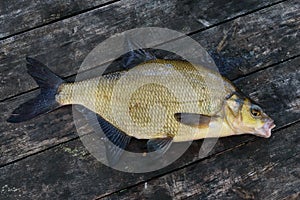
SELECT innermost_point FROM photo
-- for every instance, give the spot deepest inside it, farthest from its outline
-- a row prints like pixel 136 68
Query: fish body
pixel 164 101
pixel 149 95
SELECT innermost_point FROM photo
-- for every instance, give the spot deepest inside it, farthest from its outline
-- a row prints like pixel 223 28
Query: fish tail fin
pixel 45 101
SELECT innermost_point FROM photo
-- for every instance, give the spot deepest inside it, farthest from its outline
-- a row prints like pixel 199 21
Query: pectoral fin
pixel 158 147
pixel 193 119
pixel 118 139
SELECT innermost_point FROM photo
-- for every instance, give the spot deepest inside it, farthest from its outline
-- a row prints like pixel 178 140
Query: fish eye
pixel 255 111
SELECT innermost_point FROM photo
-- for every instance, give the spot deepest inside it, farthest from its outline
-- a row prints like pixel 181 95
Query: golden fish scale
pixel 142 102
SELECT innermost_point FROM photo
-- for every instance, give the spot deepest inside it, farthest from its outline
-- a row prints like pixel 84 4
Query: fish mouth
pixel 265 130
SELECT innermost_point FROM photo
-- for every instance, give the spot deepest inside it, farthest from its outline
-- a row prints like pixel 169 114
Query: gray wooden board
pixel 63 45
pixel 277 90
pixel 68 170
pixel 254 41
pixel 16 139
pixel 263 169
pixel 18 16
pixel 81 175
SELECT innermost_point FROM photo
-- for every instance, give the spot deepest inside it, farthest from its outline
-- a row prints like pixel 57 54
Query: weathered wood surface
pixel 254 42
pixel 19 16
pixel 62 171
pixel 263 169
pixel 248 44
pixel 19 140
pixel 70 40
pixel 80 176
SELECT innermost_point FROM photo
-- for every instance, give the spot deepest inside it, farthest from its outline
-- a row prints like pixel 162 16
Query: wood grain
pixel 263 169
pixel 19 16
pixel 16 139
pixel 63 45
pixel 254 43
pixel 69 171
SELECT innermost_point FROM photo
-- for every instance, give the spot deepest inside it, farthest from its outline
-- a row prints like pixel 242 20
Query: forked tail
pixel 45 101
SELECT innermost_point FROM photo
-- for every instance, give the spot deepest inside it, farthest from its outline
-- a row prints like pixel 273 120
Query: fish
pixel 163 101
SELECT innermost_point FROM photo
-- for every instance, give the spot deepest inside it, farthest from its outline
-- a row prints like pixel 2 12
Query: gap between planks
pixel 199 30
pixel 266 67
pixel 221 152
pixel 70 77
pixel 60 19
pixel 235 17
pixel 115 1
pixel 241 144
pixel 195 162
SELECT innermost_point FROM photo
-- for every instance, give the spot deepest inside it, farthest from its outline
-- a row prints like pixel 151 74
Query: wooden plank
pixel 252 42
pixel 277 89
pixel 19 141
pixel 63 45
pixel 69 171
pixel 264 169
pixel 16 138
pixel 55 173
pixel 18 16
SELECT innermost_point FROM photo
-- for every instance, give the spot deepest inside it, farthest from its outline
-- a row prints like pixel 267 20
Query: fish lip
pixel 265 130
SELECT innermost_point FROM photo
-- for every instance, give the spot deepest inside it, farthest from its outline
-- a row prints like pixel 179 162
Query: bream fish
pixel 163 101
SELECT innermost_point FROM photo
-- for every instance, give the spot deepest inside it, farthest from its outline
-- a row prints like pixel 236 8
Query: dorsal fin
pixel 136 55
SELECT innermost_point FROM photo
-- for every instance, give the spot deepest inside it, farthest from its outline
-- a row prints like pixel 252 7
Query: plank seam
pixel 236 17
pixel 197 161
pixel 195 32
pixel 266 67
pixel 189 34
pixel 60 19
pixel 114 1
pixel 157 176
pixel 73 75
pixel 48 148
pixel 38 152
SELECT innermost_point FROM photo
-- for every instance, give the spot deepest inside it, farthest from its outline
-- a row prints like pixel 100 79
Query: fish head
pixel 244 116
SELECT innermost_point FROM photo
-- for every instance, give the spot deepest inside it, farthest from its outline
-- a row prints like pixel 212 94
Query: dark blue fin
pixel 118 139
pixel 45 101
pixel 158 147
pixel 135 57
pixel 193 119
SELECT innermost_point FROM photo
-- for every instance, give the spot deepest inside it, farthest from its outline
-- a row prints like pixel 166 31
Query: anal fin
pixel 118 140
